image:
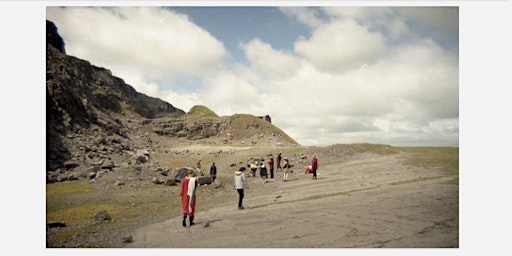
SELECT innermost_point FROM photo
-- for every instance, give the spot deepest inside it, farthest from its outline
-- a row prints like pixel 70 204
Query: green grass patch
pixel 61 188
pixel 80 215
pixel 446 158
pixel 372 148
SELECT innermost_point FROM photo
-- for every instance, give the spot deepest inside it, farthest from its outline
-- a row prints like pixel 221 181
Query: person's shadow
pixel 209 222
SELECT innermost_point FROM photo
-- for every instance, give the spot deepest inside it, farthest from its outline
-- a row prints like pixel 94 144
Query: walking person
pixel 314 166
pixel 188 197
pixel 287 169
pixel 271 167
pixel 240 183
pixel 213 172
pixel 278 161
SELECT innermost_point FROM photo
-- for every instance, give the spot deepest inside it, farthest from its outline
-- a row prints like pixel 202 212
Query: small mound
pixel 200 111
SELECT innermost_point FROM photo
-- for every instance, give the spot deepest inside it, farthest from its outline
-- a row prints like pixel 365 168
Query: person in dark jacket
pixel 263 173
pixel 213 172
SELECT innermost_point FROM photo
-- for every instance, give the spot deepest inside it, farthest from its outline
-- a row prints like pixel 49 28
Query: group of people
pixel 240 183
pixel 286 167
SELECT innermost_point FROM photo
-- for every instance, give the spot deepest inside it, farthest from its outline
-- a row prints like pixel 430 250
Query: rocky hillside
pixel 95 121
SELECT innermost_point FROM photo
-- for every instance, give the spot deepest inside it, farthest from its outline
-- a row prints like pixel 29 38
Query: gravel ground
pixel 374 198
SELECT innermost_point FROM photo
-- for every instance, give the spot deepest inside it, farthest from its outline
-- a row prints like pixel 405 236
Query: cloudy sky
pixel 325 75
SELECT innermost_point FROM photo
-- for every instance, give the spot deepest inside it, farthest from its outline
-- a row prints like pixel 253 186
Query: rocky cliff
pixel 96 121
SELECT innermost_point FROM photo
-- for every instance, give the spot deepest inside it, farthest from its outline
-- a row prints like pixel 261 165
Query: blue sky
pixel 237 24
pixel 326 75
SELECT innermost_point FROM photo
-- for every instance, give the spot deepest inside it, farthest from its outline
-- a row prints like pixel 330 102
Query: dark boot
pixel 191 220
pixel 184 219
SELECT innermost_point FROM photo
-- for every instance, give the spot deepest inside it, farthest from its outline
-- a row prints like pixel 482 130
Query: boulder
pixel 170 182
pixel 157 181
pixel 204 180
pixel 71 164
pixel 102 216
pixel 128 239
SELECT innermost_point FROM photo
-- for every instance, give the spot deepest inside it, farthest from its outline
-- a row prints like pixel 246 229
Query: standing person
pixel 213 172
pixel 188 197
pixel 263 173
pixel 286 168
pixel 199 166
pixel 254 167
pixel 314 166
pixel 271 167
pixel 278 161
pixel 240 183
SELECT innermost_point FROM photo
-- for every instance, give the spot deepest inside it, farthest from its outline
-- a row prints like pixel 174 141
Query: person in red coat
pixel 314 166
pixel 188 197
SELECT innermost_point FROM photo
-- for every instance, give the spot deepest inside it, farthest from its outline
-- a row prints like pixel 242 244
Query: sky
pixel 325 74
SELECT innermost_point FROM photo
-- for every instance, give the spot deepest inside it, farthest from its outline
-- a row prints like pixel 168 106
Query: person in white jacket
pixel 240 183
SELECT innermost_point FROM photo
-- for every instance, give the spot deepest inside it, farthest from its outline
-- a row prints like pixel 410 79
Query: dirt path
pixel 370 202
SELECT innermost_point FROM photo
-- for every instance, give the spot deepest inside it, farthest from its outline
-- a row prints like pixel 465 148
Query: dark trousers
pixel 314 173
pixel 240 197
pixel 271 173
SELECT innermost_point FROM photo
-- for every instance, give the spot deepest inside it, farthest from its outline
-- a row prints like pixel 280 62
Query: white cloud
pixel 307 16
pixel 341 46
pixel 362 76
pixel 229 94
pixel 282 65
pixel 154 42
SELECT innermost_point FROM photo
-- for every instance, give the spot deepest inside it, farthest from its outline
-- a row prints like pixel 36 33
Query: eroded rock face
pixel 191 129
pixel 97 124
pixel 84 101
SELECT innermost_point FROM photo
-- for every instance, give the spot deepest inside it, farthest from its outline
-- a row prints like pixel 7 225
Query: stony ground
pixel 364 197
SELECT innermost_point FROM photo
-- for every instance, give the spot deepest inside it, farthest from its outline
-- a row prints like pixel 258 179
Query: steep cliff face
pixel 96 119
pixel 82 97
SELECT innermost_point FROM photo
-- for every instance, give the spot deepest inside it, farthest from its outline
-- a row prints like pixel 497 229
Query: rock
pixel 108 165
pixel 157 181
pixel 119 183
pixel 101 216
pixel 140 159
pixel 204 180
pixel 56 224
pixel 73 176
pixel 91 175
pixel 128 239
pixel 71 164
pixel 183 172
pixel 170 182
pixel 217 184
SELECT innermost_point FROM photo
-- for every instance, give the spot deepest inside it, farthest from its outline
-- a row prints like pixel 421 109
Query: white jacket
pixel 240 180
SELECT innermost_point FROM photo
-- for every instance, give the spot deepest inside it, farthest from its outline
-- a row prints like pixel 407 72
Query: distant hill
pixel 94 118
pixel 200 111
